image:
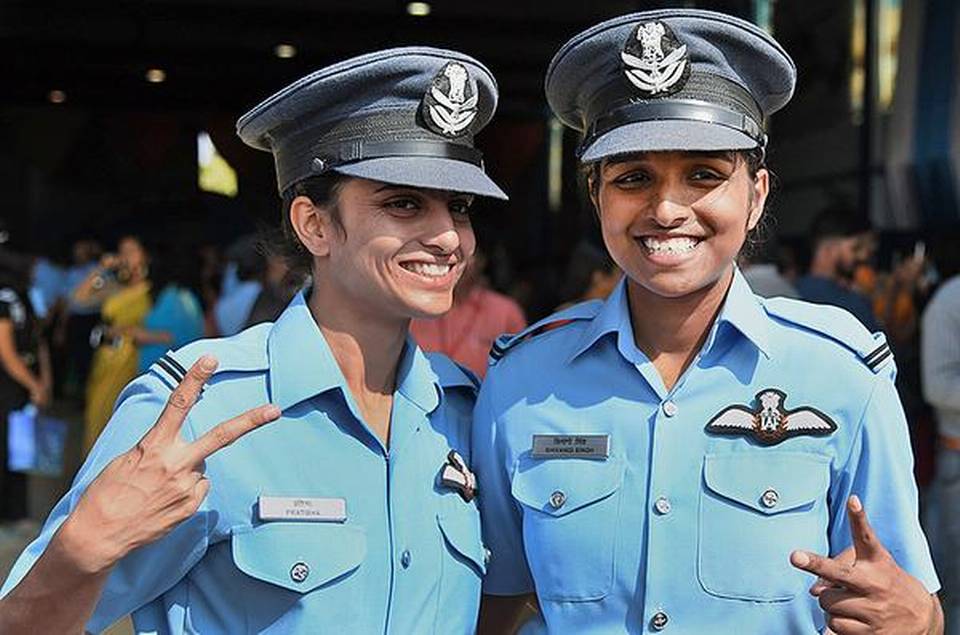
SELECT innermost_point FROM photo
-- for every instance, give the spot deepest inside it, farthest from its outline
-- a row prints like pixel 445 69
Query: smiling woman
pixel 356 511
pixel 693 446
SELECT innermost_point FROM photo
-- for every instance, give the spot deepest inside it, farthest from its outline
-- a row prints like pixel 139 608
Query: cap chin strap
pixel 672 110
pixel 359 150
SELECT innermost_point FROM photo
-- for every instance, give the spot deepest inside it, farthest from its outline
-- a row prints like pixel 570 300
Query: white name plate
pixel 327 510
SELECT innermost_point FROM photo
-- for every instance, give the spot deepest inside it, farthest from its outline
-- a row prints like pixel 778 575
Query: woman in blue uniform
pixel 693 447
pixel 354 509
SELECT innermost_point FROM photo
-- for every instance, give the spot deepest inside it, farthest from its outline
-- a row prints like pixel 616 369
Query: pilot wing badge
pixel 450 105
pixel 654 60
pixel 769 423
pixel 456 475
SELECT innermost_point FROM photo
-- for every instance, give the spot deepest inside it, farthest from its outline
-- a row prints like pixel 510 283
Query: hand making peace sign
pixel 864 590
pixel 147 491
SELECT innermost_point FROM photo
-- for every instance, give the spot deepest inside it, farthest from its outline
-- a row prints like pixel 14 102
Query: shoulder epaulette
pixel 578 312
pixel 838 325
pixel 245 351
pixel 451 374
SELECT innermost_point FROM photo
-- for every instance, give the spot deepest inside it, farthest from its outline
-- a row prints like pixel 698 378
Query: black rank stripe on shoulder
pixel 498 350
pixel 176 371
pixel 877 356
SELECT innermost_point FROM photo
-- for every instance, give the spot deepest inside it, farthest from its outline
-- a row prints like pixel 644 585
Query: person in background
pixel 242 284
pixel 478 317
pixel 278 288
pixel 121 283
pixel 81 317
pixel 176 315
pixel 940 380
pixel 836 252
pixel 591 275
pixel 25 373
pixel 762 272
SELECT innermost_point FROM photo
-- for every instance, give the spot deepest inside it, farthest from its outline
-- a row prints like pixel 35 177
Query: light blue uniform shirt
pixel 680 527
pixel 408 558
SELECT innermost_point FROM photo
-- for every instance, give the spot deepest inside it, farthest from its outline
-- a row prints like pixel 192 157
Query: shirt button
pixel 557 499
pixel 405 558
pixel 299 572
pixel 662 505
pixel 487 554
pixel 670 408
pixel 770 498
pixel 659 621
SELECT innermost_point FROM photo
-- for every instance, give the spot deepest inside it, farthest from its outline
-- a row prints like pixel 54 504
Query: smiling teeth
pixel 680 245
pixel 428 269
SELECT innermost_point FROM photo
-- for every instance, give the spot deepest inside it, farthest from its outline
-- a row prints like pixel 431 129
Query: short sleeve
pixel 880 471
pixel 507 571
pixel 148 572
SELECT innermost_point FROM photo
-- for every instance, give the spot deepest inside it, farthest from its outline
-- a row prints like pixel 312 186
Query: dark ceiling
pixel 218 54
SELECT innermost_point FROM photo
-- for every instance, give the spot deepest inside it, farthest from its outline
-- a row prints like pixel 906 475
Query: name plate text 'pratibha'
pixel 571 446
pixel 328 510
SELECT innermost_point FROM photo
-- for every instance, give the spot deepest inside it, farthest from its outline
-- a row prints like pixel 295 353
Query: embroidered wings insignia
pixel 769 423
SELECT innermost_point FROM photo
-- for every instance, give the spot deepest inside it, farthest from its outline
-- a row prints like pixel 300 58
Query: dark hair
pixel 323 190
pixel 837 221
pixel 173 264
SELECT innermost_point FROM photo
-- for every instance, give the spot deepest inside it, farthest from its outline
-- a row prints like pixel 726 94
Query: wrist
pixel 82 548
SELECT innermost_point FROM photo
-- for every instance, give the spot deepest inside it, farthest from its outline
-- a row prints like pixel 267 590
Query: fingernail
pixel 208 363
pixel 855 503
pixel 273 411
pixel 799 558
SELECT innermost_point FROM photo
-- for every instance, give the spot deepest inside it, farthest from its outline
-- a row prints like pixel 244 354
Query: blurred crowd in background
pixel 76 327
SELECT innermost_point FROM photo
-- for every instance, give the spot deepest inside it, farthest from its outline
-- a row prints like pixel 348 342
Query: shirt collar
pixel 303 366
pixel 613 315
pixel 741 310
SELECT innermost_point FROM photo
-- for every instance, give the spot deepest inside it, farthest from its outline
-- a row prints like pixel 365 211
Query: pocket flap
pixel 771 482
pixel 560 486
pixel 462 533
pixel 298 556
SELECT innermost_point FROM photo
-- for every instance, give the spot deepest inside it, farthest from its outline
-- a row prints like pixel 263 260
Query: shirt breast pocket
pixel 571 509
pixel 299 557
pixel 463 560
pixel 754 510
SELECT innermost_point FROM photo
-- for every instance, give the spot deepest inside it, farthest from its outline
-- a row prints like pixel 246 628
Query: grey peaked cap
pixel 736 76
pixel 364 117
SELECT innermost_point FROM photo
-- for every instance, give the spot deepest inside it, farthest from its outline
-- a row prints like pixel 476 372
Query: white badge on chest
pixel 320 510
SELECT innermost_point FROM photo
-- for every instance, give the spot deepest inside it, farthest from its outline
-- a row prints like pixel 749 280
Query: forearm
pixel 143 336
pixel 46 368
pixel 19 372
pixel 60 592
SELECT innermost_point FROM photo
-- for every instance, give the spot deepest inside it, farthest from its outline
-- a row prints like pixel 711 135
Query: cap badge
pixel 654 59
pixel 770 423
pixel 450 106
